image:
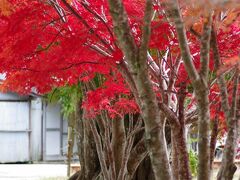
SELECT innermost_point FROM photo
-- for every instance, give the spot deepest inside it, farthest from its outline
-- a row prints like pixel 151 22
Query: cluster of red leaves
pixel 39 50
pixel 113 96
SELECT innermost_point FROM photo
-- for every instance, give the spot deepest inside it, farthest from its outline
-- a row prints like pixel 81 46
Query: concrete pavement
pixel 33 171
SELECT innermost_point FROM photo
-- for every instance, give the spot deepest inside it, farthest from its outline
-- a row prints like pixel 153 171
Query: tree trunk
pixel 71 124
pixel 118 142
pixel 145 96
pixel 144 171
pixel 213 140
pixel 174 158
pixel 179 138
pixel 198 80
pixel 183 159
pixel 228 167
pixel 203 135
pixel 137 156
pixel 86 149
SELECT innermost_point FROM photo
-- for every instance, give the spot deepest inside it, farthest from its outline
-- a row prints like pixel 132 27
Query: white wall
pixel 36 127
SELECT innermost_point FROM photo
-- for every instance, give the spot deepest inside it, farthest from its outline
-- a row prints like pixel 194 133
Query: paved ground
pixel 33 171
pixel 46 172
pixel 215 171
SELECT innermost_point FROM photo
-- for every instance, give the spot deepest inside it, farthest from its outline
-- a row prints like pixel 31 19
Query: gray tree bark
pixel 228 167
pixel 118 142
pixel 213 140
pixel 198 80
pixel 86 148
pixel 136 58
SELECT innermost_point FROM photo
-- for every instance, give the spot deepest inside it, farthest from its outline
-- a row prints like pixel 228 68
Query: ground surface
pixel 47 172
pixel 33 171
pixel 215 171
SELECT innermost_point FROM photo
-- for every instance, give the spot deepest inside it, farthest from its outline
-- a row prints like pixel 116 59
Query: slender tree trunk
pixel 144 171
pixel 228 167
pixel 138 154
pixel 198 80
pixel 213 140
pixel 179 138
pixel 174 158
pixel 86 149
pixel 118 142
pixel 183 159
pixel 203 135
pixel 71 124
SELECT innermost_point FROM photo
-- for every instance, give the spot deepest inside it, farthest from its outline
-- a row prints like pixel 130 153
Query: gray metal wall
pixel 30 130
pixel 14 128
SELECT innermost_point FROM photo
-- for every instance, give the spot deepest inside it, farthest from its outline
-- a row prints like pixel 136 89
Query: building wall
pixel 36 127
pixel 52 130
pixel 14 128
pixel 30 129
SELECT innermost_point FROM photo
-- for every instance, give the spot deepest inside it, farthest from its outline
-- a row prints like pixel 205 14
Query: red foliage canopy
pixel 45 44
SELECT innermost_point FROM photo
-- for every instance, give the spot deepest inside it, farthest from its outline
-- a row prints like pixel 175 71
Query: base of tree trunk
pixel 74 176
pixel 222 175
pixel 144 171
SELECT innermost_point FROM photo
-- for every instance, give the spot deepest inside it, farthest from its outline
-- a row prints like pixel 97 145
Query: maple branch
pixel 234 95
pixel 91 30
pixel 99 50
pixel 221 80
pixel 56 19
pixel 181 98
pixel 173 75
pixel 132 130
pixel 98 17
pixel 129 79
pixel 59 10
pixel 122 29
pixel 170 115
pixel 205 46
pixel 26 69
pixel 191 119
pixel 173 11
pixel 59 69
pixel 171 83
pixel 109 153
pixel 146 31
pixel 153 64
pixel 50 44
pixel 100 152
pixel 138 153
pixel 80 63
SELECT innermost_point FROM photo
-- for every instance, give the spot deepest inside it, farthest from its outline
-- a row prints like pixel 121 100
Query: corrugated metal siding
pixel 53 132
pixel 36 127
pixel 55 145
pixel 31 131
pixel 14 131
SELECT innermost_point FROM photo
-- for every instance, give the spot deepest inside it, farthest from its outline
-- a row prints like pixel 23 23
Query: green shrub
pixel 193 161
